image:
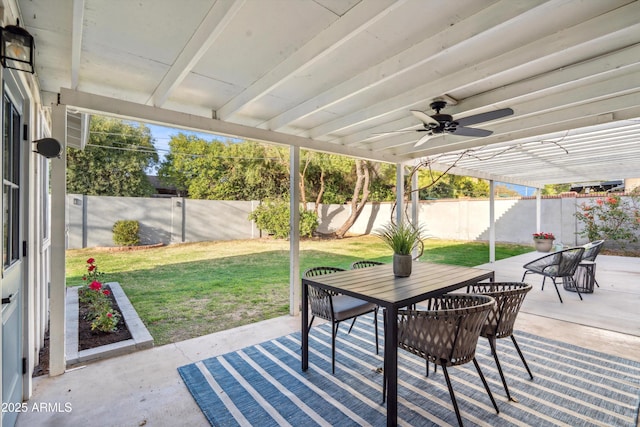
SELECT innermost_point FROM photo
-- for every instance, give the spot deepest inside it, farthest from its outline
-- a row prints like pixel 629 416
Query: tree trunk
pixel 362 185
pixel 320 192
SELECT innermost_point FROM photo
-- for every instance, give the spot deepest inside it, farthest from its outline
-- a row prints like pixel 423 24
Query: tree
pixel 114 161
pixel 358 201
pixel 214 170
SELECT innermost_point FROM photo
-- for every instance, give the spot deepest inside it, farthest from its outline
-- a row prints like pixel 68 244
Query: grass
pixel 189 290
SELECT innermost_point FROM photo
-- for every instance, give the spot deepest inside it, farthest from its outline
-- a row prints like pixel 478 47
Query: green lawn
pixel 188 290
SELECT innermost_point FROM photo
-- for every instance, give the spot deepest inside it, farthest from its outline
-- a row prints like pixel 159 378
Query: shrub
pixel 273 217
pixel 611 218
pixel 125 233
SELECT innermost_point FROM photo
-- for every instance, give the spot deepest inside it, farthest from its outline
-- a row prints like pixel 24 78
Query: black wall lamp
pixel 16 48
pixel 48 147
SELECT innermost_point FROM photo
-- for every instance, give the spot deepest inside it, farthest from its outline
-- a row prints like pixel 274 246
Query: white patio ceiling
pixel 331 74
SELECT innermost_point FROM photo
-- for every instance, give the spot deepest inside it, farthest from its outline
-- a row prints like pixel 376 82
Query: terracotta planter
pixel 402 265
pixel 543 245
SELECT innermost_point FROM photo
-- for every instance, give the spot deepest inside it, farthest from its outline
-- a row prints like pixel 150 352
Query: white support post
pixel 415 198
pixel 294 232
pixel 492 221
pixel 399 193
pixel 57 293
pixel 538 210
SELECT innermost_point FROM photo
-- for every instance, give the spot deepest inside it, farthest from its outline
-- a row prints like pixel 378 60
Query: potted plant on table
pixel 403 239
pixel 543 241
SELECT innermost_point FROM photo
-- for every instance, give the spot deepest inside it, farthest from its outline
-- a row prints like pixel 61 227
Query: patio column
pixel 294 231
pixel 492 221
pixel 399 192
pixel 57 292
pixel 538 209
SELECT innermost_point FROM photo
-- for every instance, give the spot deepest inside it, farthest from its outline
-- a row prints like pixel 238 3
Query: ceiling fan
pixel 438 124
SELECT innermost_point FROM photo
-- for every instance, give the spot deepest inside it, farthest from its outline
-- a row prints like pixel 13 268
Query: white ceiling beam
pixel 439 167
pixel 354 22
pixel 431 49
pixel 216 20
pixel 95 104
pixel 551 107
pixel 622 21
pixel 531 125
pixel 598 69
pixel 76 41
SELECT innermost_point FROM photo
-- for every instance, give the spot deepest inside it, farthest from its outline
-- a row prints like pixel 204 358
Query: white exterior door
pixel 13 178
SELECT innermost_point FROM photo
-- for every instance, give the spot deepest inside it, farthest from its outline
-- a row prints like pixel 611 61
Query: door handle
pixel 7 300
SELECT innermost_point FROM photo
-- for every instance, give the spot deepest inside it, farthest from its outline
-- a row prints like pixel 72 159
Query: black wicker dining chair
pixel 336 308
pixel 561 264
pixel 501 319
pixel 446 335
pixel 364 264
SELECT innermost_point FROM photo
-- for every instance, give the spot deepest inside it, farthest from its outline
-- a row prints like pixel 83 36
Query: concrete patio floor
pixel 144 388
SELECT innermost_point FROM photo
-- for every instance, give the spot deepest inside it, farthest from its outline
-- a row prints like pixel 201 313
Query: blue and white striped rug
pixel 263 385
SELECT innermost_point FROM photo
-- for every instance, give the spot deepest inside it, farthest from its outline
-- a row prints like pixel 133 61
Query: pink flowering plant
pixel 544 236
pixel 611 218
pixel 101 314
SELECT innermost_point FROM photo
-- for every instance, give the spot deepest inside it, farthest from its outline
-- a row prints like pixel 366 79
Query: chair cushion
pixel 346 307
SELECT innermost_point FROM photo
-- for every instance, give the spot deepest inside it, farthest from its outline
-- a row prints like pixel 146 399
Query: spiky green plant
pixel 402 238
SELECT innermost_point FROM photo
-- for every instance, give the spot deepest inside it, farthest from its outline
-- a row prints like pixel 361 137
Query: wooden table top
pixel 378 284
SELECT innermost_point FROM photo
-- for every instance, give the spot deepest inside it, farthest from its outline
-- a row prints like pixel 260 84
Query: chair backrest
pixel 448 333
pixel 591 250
pixel 319 271
pixel 320 300
pixel 364 264
pixel 569 260
pixel 509 297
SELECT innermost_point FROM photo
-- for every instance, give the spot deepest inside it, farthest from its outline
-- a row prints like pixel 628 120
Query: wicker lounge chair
pixel 561 264
pixel 337 308
pixel 446 334
pixel 500 321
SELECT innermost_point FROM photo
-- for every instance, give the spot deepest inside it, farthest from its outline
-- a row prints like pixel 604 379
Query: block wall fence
pixel 175 220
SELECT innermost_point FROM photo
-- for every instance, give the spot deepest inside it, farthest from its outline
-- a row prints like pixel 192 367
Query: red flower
pixel 91 261
pixel 612 201
pixel 91 267
pixel 95 285
pixel 106 292
pixel 109 315
pixel 599 202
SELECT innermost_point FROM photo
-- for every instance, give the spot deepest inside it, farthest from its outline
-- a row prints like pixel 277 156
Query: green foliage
pixel 114 161
pixel 217 171
pixel 443 186
pixel 555 189
pixel 611 218
pixel 402 238
pixel 273 217
pixel 125 233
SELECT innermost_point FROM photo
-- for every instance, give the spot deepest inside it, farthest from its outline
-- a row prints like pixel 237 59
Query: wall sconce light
pixel 48 147
pixel 16 48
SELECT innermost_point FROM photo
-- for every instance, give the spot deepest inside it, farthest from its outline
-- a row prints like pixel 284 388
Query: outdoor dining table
pixel 378 285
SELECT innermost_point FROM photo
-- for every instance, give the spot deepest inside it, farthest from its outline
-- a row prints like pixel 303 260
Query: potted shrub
pixel 402 239
pixel 543 241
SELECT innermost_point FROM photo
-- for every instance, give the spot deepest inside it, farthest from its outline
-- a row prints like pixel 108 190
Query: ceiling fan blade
pixel 484 117
pixel 424 139
pixel 463 131
pixel 424 117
